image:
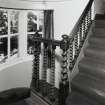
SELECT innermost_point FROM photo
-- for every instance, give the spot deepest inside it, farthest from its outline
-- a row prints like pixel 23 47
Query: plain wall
pixel 66 15
pixel 18 75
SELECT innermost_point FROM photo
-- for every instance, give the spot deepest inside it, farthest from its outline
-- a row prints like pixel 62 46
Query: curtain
pixel 48 32
pixel 48 24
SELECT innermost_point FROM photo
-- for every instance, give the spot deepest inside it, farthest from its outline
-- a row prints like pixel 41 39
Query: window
pixel 18 27
pixel 8 34
pixel 14 21
pixel 35 22
pixel 3 22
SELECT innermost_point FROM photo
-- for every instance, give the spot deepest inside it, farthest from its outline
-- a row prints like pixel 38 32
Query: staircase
pixel 88 87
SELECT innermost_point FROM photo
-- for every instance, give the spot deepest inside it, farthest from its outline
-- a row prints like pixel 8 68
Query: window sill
pixel 15 61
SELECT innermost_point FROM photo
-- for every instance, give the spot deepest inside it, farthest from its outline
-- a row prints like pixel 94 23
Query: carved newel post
pixel 36 61
pixel 64 83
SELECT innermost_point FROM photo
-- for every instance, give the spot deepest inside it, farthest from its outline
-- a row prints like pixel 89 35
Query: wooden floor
pixel 35 100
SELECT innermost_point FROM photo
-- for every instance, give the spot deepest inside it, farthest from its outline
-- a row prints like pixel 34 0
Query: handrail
pixel 79 33
pixel 76 27
pixel 45 40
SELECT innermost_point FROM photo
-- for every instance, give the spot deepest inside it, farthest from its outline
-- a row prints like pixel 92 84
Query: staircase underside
pixel 88 87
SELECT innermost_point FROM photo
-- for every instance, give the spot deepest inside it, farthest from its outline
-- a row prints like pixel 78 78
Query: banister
pixel 79 33
pixel 75 29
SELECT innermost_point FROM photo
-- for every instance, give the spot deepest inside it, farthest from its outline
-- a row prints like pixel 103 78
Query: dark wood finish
pixel 45 92
pixel 79 33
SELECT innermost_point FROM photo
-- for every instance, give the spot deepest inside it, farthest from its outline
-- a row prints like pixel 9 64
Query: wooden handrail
pixel 47 41
pixel 75 29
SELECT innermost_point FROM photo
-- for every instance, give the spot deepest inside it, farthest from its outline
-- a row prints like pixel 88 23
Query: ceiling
pixel 45 0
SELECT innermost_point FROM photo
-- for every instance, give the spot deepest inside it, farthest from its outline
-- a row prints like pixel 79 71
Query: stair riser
pixel 96 73
pixel 96 43
pixel 94 56
pixel 99 46
pixel 100 24
pixel 98 32
pixel 90 80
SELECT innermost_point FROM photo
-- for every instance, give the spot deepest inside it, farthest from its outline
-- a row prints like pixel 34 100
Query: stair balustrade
pixel 71 46
pixel 79 33
pixel 44 89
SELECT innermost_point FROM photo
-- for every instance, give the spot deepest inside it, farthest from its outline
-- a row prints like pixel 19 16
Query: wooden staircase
pixel 88 87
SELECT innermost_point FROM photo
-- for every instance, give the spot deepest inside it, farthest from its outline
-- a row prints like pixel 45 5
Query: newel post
pixel 36 63
pixel 64 83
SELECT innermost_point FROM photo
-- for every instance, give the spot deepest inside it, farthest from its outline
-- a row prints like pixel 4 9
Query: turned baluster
pixel 84 28
pixel 44 72
pixel 90 16
pixel 87 24
pixel 52 94
pixel 76 46
pixel 87 19
pixel 64 83
pixel 81 34
pixel 71 56
pixel 36 61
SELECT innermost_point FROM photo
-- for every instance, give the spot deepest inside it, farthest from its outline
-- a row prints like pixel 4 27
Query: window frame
pixel 22 50
pixel 9 34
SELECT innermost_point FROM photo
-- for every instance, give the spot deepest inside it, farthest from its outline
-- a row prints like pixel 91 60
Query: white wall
pixel 66 15
pixel 18 75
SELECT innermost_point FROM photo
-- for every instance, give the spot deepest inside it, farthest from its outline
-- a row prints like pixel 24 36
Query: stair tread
pixel 76 98
pixel 91 87
pixel 96 41
pixel 90 79
pixel 99 23
pixel 98 30
pixel 94 52
pixel 92 63
pixel 92 68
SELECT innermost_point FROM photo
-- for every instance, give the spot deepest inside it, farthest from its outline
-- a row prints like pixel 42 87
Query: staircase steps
pixel 99 32
pixel 88 87
pixel 97 42
pixel 93 88
pixel 76 98
pixel 99 23
pixel 99 17
pixel 92 68
pixel 95 53
pixel 99 20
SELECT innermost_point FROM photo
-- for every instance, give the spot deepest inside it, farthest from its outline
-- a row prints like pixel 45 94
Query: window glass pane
pixel 3 49
pixel 14 46
pixel 30 49
pixel 14 21
pixel 35 22
pixel 3 22
pixel 32 22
